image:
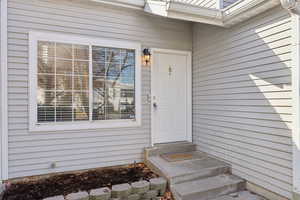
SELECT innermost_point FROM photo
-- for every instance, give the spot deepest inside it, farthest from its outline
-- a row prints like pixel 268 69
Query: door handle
pixel 154 105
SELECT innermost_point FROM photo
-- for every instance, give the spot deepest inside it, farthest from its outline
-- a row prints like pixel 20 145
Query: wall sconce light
pixel 146 57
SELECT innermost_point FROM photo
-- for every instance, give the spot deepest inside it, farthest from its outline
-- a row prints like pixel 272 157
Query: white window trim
pixel 34 37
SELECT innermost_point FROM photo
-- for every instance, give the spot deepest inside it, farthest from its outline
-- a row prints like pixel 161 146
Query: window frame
pixel 34 126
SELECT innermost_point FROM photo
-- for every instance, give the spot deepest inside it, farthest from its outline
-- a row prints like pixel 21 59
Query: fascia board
pixel 134 4
pixel 246 9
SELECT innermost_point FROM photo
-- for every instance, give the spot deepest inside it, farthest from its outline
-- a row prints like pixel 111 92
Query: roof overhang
pixel 292 5
pixel 183 11
pixel 245 9
pixel 231 15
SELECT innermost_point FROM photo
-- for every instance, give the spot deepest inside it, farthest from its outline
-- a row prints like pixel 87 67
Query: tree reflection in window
pixel 63 83
pixel 113 83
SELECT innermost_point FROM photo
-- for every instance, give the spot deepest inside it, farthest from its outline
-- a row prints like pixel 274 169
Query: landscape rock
pixel 55 198
pixel 2 190
pixel 78 196
pixel 159 184
pixel 140 187
pixel 134 197
pixel 121 191
pixel 150 195
pixel 100 194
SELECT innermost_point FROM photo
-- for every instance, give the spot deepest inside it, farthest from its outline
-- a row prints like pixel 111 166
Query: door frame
pixel 188 90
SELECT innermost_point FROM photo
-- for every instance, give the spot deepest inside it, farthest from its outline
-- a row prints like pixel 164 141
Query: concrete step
pixel 243 195
pixel 201 174
pixel 176 147
pixel 209 188
pixel 187 170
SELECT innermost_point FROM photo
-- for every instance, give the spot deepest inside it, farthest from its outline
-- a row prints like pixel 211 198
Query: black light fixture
pixel 146 56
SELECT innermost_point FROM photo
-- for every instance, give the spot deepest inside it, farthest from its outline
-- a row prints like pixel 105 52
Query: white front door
pixel 171 96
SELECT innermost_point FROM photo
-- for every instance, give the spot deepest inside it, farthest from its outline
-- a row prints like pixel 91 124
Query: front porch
pixel 227 90
pixel 194 175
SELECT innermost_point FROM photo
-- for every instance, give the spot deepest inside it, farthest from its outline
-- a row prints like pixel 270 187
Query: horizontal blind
pixel 63 83
pixel 63 76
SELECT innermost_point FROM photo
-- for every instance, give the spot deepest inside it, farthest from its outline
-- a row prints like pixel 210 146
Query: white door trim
pixel 188 89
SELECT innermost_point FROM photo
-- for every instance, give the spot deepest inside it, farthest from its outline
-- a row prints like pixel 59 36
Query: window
pixel 81 83
pixel 113 83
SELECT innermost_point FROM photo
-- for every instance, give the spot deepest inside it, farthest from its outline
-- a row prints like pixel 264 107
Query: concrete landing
pixel 181 171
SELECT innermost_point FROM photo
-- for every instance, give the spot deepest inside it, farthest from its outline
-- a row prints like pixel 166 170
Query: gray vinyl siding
pixel 32 153
pixel 201 3
pixel 242 98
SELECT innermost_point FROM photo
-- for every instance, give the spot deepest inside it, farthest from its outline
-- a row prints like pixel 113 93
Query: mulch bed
pixel 39 188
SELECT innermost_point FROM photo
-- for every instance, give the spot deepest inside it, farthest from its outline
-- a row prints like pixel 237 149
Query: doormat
pixel 175 157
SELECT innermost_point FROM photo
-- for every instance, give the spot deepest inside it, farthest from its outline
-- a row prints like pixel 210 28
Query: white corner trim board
pixel 3 109
pixel 293 7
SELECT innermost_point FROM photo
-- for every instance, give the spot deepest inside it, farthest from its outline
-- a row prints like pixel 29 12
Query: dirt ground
pixel 63 184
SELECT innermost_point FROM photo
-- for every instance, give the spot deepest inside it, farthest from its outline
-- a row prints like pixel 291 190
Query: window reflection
pixel 64 82
pixel 63 89
pixel 113 83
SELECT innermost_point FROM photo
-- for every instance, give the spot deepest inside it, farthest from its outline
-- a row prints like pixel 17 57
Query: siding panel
pixel 242 98
pixel 32 153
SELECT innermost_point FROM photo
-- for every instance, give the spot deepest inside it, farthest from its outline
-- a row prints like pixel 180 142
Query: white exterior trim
pixel 34 37
pixel 4 104
pixel 220 4
pixel 134 4
pixel 224 17
pixel 177 10
pixel 189 90
pixel 245 9
pixel 195 13
pixel 293 6
pixel 296 100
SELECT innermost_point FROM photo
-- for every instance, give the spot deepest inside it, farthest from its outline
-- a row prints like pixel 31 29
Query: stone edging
pixel 141 190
